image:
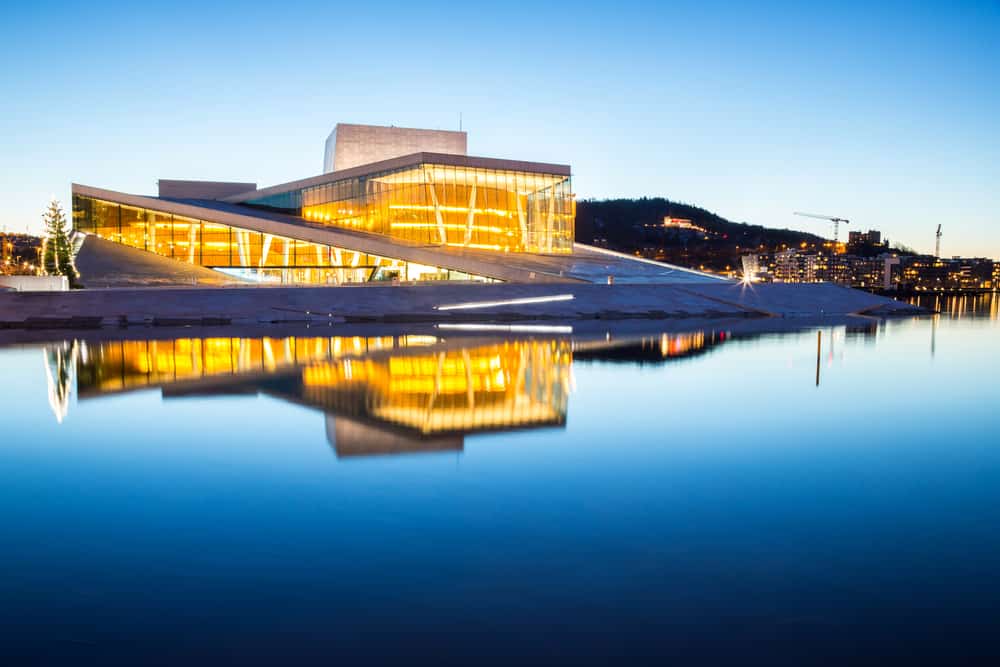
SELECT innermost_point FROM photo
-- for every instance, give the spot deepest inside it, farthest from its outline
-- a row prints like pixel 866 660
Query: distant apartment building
pixel 792 266
pixel 924 273
pixel 680 223
pixel 797 266
pixel 886 271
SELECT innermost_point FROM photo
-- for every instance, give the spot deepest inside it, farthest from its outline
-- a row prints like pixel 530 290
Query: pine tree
pixel 57 257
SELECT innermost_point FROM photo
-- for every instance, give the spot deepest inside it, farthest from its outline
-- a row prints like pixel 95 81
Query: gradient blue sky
pixel 883 113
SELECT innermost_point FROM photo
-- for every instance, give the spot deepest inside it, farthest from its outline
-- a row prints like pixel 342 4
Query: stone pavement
pixel 432 302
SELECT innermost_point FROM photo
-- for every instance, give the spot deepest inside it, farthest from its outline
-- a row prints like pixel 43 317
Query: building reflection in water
pixel 60 363
pixel 983 305
pixel 132 364
pixel 388 394
pixel 511 384
pixel 648 349
pixel 381 395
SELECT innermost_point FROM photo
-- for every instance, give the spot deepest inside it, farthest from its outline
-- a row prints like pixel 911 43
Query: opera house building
pixel 412 214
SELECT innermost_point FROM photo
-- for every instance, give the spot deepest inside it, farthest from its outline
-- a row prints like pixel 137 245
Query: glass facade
pixel 259 256
pixel 491 209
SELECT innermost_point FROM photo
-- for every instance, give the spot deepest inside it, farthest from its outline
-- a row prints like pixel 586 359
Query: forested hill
pixel 631 224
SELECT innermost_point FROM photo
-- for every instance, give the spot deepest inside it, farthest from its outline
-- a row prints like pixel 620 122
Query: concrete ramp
pixel 106 264
pixel 800 300
pixel 456 302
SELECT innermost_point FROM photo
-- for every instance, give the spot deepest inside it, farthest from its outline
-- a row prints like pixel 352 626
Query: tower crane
pixel 937 243
pixel 836 222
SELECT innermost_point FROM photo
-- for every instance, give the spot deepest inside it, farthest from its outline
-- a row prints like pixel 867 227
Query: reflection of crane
pixel 937 243
pixel 836 222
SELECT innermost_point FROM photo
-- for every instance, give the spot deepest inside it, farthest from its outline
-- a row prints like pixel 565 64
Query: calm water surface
pixel 710 495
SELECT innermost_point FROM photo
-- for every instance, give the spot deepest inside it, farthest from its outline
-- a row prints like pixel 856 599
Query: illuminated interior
pixel 257 256
pixel 490 209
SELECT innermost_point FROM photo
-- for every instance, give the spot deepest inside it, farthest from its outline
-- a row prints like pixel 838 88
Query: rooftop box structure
pixel 354 145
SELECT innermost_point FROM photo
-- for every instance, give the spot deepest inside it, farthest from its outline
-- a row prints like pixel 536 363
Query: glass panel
pixel 133 227
pixel 215 245
pixel 83 216
pixel 106 220
pixel 187 239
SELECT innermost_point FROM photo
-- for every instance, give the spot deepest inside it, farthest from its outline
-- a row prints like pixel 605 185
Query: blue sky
pixel 884 114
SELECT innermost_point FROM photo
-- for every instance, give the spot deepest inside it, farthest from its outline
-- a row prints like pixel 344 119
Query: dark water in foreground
pixel 694 495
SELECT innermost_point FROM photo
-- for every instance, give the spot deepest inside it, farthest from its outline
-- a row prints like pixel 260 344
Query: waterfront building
pixel 414 217
pixel 886 271
pixel 865 272
pixel 925 273
pixel 792 266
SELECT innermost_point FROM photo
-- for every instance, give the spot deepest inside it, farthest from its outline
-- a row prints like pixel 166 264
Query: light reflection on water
pixel 382 394
pixel 979 306
pixel 607 494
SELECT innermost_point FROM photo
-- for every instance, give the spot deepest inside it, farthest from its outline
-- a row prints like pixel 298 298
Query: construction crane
pixel 836 222
pixel 937 243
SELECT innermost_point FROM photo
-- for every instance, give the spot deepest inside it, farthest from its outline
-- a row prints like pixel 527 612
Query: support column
pixel 550 218
pixel 520 219
pixel 338 259
pixel 437 208
pixel 265 248
pixel 241 247
pixel 285 256
pixel 472 215
pixel 192 241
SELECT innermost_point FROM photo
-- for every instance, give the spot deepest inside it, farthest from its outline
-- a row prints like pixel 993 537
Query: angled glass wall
pixel 253 255
pixel 500 210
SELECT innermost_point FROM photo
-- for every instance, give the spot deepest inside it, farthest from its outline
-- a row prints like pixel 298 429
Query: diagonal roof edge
pixel 295 228
pixel 405 161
